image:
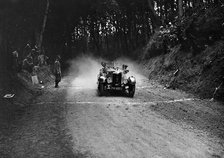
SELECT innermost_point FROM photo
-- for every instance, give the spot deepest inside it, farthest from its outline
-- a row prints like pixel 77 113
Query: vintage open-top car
pixel 114 78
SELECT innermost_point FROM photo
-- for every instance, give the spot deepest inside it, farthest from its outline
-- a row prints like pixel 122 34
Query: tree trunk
pixel 180 8
pixel 154 17
pixel 44 25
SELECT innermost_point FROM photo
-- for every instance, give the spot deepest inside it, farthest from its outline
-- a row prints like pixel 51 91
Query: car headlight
pixel 132 80
pixel 109 80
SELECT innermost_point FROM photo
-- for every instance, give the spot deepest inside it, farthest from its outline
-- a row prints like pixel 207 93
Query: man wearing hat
pixel 57 71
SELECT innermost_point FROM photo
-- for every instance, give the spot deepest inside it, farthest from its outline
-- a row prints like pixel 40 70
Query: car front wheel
pixel 131 91
pixel 101 90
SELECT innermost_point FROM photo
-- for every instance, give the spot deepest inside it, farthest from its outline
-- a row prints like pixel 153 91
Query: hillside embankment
pixel 12 109
pixel 189 55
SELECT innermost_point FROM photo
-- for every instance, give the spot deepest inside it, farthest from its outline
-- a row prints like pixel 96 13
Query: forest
pixel 59 98
pixel 108 28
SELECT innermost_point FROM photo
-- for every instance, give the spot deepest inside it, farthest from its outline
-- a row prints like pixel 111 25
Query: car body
pixel 112 78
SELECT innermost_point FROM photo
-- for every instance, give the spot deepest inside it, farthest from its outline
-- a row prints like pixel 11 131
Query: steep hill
pixel 190 55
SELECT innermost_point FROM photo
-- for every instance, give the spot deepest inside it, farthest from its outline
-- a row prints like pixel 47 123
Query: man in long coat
pixel 57 71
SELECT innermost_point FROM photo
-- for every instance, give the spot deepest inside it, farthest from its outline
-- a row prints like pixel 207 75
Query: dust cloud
pixel 84 70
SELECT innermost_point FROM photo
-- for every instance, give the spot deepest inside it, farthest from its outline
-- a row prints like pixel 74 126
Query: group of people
pixel 29 60
pixel 33 60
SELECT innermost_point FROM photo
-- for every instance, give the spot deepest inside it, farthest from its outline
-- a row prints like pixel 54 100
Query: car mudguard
pixel 132 80
pixel 102 79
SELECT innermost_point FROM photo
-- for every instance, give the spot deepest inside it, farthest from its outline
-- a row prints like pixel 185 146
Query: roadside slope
pixel 189 55
pixel 199 74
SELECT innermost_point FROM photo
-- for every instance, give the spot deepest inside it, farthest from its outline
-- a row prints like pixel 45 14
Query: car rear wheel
pixel 131 91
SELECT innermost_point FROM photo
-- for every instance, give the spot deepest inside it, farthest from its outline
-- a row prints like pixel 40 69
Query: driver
pixel 124 67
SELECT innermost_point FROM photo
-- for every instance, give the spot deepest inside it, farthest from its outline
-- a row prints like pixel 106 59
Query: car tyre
pixel 101 90
pixel 131 91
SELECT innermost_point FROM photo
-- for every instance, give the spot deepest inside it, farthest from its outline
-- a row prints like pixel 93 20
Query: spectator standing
pixel 57 71
pixel 28 64
pixel 42 60
pixel 34 54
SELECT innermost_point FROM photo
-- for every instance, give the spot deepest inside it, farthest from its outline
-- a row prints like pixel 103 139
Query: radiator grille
pixel 117 79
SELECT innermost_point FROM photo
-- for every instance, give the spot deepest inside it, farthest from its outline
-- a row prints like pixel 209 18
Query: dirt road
pixel 157 123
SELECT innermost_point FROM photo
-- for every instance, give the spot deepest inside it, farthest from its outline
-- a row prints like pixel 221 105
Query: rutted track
pixel 116 126
pixel 157 123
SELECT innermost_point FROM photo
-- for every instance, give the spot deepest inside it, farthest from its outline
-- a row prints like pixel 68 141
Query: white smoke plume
pixel 84 70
